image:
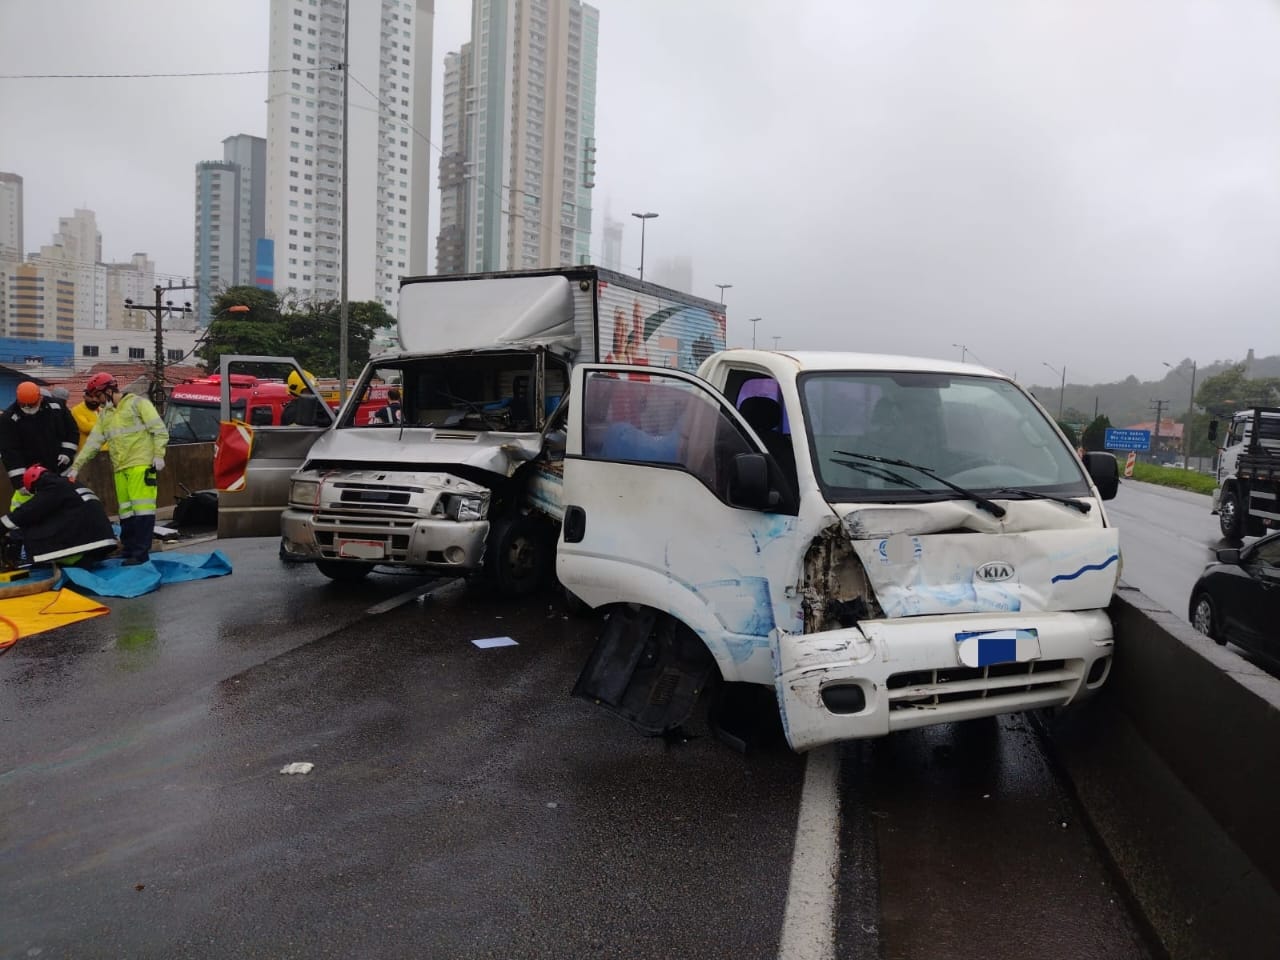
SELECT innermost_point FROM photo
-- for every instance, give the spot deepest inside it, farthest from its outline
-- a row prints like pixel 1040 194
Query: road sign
pixel 1129 461
pixel 1127 439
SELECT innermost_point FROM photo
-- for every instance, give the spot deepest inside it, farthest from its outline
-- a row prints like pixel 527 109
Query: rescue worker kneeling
pixel 60 521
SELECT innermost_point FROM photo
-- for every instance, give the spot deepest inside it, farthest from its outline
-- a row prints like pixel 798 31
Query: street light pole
pixel 723 286
pixel 775 342
pixel 753 321
pixel 1062 391
pixel 1191 406
pixel 642 217
pixel 963 350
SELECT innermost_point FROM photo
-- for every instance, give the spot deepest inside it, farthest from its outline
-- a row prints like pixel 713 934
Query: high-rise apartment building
pixel 75 254
pixel 523 110
pixel 230 218
pixel 389 75
pixel 11 239
pixel 611 250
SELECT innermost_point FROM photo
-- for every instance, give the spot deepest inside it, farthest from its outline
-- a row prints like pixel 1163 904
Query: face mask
pixel 31 410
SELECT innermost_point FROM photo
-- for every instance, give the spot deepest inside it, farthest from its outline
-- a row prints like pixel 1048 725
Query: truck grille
pixel 928 689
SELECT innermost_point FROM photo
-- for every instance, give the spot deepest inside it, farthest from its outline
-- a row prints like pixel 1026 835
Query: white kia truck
pixel 886 542
pixel 465 476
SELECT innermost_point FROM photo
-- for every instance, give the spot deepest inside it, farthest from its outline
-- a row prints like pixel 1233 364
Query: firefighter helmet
pixel 28 393
pixel 32 474
pixel 101 381
pixel 297 385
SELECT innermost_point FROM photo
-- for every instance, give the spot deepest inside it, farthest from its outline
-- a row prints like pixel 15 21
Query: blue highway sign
pixel 1127 439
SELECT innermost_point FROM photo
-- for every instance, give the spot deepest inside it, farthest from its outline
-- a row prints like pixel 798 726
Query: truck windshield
pixel 478 391
pixel 189 422
pixel 977 433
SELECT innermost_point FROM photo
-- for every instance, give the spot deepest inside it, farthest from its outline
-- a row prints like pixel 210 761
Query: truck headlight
pixel 304 492
pixel 458 506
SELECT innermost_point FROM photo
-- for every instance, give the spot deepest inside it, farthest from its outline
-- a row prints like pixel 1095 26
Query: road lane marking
pixel 808 923
pixel 400 599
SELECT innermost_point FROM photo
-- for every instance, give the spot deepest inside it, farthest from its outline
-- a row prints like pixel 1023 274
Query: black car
pixel 1237 598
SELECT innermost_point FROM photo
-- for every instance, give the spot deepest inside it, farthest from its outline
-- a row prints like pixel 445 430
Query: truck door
pixel 672 505
pixel 252 507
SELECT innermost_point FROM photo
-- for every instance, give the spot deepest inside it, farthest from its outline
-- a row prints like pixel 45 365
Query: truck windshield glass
pixel 195 422
pixel 479 391
pixel 978 433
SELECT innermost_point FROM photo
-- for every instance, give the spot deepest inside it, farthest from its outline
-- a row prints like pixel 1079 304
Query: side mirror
pixel 1104 471
pixel 1213 430
pixel 1229 555
pixel 749 482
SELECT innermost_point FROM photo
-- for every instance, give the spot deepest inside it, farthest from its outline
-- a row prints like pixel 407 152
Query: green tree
pixel 1070 431
pixel 1095 435
pixel 312 335
pixel 256 331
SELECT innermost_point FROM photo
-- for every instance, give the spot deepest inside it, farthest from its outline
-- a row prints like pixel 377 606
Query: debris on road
pixel 300 767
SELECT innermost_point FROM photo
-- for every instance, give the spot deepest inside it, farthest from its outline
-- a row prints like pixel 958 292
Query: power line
pixel 138 76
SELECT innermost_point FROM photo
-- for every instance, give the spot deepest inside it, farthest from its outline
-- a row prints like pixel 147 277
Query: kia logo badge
pixel 994 572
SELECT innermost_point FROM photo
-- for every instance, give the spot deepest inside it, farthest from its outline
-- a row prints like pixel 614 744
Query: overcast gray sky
pixel 1088 184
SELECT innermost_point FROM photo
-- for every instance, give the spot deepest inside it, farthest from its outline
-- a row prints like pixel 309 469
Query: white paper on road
pixel 489 642
pixel 301 767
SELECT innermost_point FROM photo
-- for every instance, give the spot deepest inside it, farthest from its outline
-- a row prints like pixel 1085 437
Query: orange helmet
pixel 28 394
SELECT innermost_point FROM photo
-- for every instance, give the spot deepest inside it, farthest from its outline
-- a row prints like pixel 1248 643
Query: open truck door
pixel 254 461
pixel 674 519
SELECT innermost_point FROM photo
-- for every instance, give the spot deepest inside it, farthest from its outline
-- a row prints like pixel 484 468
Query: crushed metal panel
pixel 480 314
pixel 836 591
pixel 647 668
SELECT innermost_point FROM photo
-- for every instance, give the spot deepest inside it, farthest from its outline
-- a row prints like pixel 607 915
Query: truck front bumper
pixel 887 675
pixel 441 544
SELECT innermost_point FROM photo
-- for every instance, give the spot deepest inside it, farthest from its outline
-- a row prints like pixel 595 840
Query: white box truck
pixel 467 477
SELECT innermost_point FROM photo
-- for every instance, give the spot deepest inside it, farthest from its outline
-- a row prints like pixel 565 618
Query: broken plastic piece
pixel 301 767
pixel 489 642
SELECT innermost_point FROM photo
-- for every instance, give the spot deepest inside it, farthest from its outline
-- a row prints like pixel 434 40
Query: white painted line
pixel 809 923
pixel 401 599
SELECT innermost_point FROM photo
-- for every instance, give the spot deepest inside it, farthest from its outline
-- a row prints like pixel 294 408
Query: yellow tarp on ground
pixel 23 616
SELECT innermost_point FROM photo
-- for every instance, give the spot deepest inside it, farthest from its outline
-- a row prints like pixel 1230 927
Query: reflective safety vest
pixel 134 430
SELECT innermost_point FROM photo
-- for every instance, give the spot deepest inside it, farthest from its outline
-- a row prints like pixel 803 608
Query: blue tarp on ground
pixel 112 579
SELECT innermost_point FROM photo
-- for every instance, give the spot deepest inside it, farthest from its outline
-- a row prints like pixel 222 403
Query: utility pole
pixel 1155 439
pixel 344 307
pixel 162 309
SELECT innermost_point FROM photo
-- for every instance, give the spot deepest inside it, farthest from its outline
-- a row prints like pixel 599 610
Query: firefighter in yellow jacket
pixel 138 441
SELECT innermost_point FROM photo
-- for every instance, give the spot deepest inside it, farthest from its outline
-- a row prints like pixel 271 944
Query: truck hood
pixel 489 314
pixel 924 559
pixel 499 453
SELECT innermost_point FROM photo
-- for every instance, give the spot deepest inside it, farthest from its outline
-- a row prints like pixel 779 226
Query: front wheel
pixel 518 556
pixel 1203 618
pixel 1231 515
pixel 344 571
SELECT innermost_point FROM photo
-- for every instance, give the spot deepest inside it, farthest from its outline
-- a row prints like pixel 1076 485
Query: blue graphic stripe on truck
pixel 1086 568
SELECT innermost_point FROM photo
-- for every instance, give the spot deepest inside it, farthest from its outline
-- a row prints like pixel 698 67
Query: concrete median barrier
pixel 1175 765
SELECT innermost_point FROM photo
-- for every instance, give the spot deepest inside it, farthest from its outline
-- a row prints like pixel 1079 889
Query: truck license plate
pixel 983 648
pixel 362 549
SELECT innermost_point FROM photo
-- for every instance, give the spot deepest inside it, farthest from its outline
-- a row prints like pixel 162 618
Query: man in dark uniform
pixel 36 429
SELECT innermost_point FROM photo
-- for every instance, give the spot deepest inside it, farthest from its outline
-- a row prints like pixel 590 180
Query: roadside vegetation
pixel 1172 477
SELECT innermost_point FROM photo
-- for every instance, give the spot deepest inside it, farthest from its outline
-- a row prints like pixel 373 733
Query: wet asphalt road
pixel 463 805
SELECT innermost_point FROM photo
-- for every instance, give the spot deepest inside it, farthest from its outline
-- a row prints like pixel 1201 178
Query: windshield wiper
pixel 879 473
pixel 994 509
pixel 1037 495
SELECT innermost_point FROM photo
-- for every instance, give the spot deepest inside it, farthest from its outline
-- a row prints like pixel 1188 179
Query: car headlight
pixel 304 492
pixel 460 506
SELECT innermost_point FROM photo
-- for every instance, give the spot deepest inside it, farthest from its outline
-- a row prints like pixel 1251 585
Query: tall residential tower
pixel 518 159
pixel 230 218
pixel 389 74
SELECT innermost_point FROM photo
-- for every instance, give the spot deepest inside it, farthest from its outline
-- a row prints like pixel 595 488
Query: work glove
pixel 158 463
pixel 70 475
pixel 63 461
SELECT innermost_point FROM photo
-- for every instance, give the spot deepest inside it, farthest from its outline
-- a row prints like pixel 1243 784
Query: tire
pixel 344 571
pixel 1231 515
pixel 1204 618
pixel 518 556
